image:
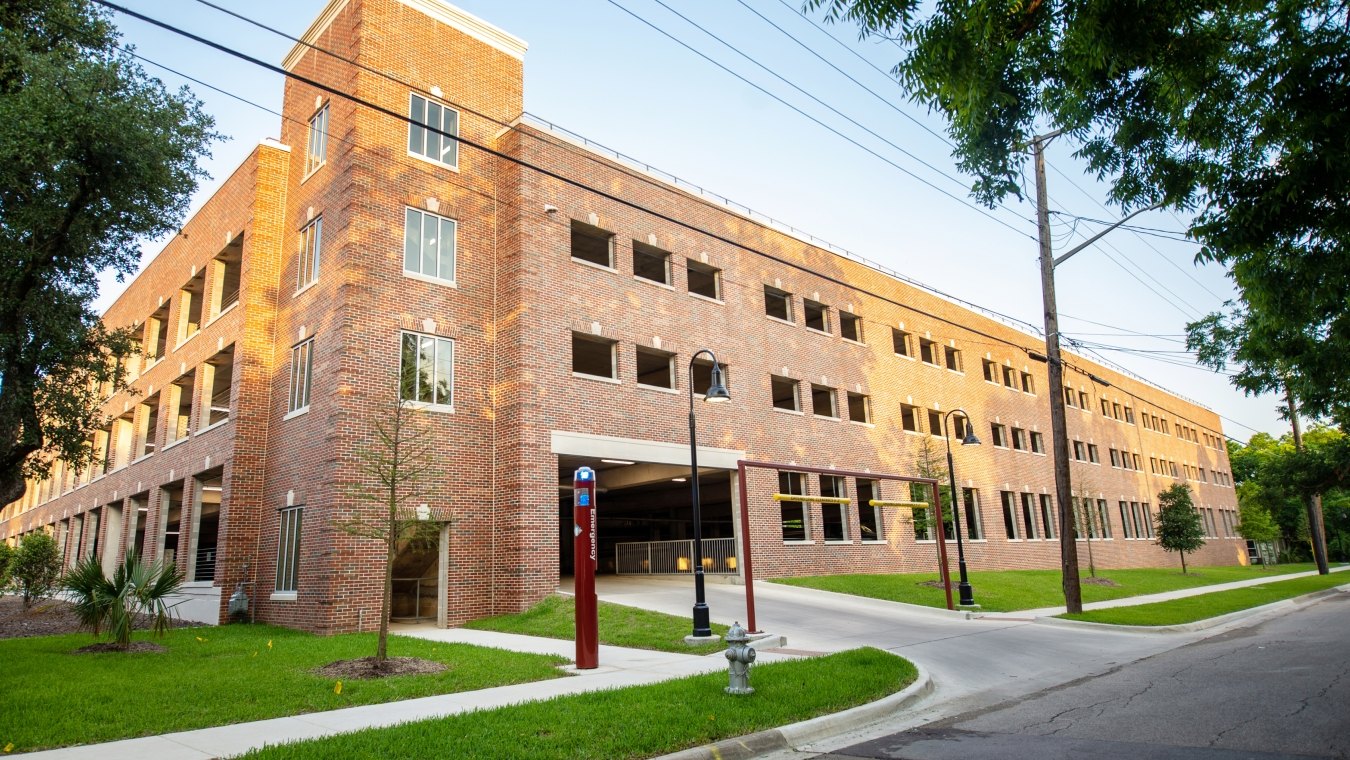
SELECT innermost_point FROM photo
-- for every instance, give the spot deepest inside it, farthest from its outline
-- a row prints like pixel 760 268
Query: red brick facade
pixel 512 307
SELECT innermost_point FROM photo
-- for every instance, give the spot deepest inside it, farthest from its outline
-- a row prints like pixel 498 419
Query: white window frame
pixel 302 377
pixel 439 259
pixel 289 528
pixel 316 152
pixel 420 129
pixel 438 346
pixel 309 252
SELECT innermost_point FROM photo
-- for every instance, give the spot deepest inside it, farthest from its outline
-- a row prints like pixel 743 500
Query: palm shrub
pixel 113 604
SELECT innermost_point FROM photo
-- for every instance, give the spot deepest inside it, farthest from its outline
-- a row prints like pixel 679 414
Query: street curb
pixel 796 735
pixel 1200 625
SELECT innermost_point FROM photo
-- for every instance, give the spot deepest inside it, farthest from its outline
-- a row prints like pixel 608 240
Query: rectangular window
pixel 823 401
pixel 909 418
pixel 816 315
pixel 1010 525
pixel 1028 383
pixel 702 376
pixel 900 342
pixel 655 368
pixel 190 306
pixel 592 244
pixel 784 390
pixel 959 428
pixel 317 153
pixel 593 356
pixel 1093 455
pixel 288 550
pixel 427 371
pixel 1138 462
pixel 1030 523
pixel 850 327
pixel 302 373
pixel 1070 396
pixel 1010 377
pixel 793 513
pixel 1037 443
pixel 869 517
pixel 1126 521
pixel 970 502
pixel 180 407
pixel 1115 411
pixel 704 280
pixel 651 263
pixel 777 303
pixel 147 426
pixel 927 351
pixel 1084 401
pixel 156 335
pixel 859 407
pixel 935 423
pixel 219 383
pixel 1019 439
pixel 953 357
pixel 225 277
pixel 1049 516
pixel 990 369
pixel 1078 451
pixel 1103 519
pixel 307 258
pixel 432 129
pixel 998 435
pixel 1147 518
pixel 428 245
pixel 1115 457
pixel 833 517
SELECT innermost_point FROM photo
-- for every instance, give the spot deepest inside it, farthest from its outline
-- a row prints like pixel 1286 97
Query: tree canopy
pixel 1273 477
pixel 1237 111
pixel 95 156
pixel 1179 526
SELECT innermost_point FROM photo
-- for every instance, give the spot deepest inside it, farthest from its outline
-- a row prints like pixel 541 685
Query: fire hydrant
pixel 740 654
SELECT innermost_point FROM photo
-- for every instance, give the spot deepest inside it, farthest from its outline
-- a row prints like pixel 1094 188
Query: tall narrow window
pixel 288 550
pixel 833 517
pixel 220 374
pixel 432 129
pixel 156 335
pixel 909 418
pixel 702 376
pixel 1048 516
pixel 970 502
pixel 190 306
pixel 180 407
pixel 317 153
pixel 1028 383
pixel 1029 517
pixel 307 258
pixel 1011 528
pixel 427 374
pixel 793 513
pixel 869 517
pixel 429 245
pixel 225 277
pixel 147 426
pixel 1103 519
pixel 302 370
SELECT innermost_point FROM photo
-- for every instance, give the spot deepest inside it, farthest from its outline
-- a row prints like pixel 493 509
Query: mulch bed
pixel 107 646
pixel 366 667
pixel 1099 582
pixel 47 617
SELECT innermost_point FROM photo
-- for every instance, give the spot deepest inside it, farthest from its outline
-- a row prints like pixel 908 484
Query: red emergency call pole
pixel 584 553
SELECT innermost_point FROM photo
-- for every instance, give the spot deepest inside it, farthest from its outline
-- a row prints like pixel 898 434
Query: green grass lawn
pixel 555 618
pixel 1194 608
pixel 214 676
pixel 1010 590
pixel 634 722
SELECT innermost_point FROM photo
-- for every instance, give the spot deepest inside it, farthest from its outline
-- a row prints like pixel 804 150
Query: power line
pixel 822 124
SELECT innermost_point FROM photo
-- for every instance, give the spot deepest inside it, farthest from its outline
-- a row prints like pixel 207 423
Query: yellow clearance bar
pixel 804 497
pixel 910 504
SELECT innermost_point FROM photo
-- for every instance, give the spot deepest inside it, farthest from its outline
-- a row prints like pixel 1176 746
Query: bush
pixel 113 604
pixel 6 559
pixel 36 567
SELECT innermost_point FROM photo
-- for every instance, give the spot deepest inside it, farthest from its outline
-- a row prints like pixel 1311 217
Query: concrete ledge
pixel 800 734
pixel 1200 625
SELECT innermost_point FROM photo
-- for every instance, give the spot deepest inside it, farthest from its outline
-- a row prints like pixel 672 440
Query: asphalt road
pixel 1280 688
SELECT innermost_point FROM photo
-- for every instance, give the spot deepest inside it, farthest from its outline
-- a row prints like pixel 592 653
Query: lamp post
pixel 717 393
pixel 967 598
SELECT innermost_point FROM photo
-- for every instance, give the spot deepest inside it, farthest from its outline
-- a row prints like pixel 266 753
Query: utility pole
pixel 1059 437
pixel 1059 445
pixel 1313 502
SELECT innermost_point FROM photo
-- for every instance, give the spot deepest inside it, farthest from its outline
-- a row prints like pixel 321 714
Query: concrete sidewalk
pixel 619 667
pixel 1131 601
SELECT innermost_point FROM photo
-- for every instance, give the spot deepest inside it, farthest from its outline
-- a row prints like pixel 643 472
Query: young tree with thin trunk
pixel 394 468
pixel 1178 522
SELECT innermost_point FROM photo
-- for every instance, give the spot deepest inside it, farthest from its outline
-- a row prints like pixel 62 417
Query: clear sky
pixel 840 156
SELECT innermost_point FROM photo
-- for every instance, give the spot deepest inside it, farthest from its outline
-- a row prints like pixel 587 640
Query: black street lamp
pixel 966 595
pixel 717 393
